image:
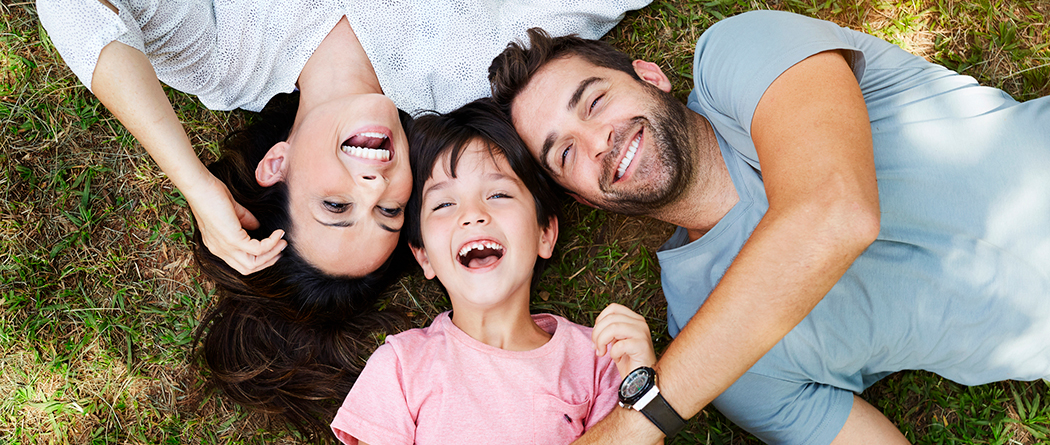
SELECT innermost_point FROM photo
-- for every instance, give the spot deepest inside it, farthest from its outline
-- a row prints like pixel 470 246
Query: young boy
pixel 488 371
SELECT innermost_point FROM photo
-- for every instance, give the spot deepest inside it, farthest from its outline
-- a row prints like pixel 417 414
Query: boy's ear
pixel 548 237
pixel 581 200
pixel 651 72
pixel 424 261
pixel 271 168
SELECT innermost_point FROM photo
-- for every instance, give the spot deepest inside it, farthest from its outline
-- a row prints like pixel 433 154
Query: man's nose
pixel 599 141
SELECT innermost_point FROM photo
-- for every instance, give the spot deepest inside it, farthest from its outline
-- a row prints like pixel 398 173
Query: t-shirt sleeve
pixel 780 411
pixel 79 29
pixel 607 385
pixel 738 58
pixel 376 410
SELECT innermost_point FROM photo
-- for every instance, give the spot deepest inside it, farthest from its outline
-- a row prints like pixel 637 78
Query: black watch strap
pixel 660 413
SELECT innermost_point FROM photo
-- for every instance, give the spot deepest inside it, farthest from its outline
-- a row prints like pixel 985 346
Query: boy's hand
pixel 625 335
pixel 222 222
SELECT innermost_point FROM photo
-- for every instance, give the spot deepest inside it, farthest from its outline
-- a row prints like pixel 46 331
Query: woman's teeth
pixel 627 158
pixel 367 153
pixel 379 154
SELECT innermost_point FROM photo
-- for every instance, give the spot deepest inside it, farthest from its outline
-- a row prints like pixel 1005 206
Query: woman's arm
pixel 124 81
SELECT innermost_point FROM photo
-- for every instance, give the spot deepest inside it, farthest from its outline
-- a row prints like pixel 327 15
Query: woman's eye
pixel 336 207
pixel 392 213
pixel 565 155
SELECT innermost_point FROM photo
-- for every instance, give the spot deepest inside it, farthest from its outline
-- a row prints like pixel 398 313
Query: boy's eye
pixel 499 195
pixel 336 207
pixel 392 213
pixel 441 206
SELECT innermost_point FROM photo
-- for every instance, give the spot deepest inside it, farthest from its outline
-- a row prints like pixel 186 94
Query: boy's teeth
pixel 367 153
pixel 626 162
pixel 479 245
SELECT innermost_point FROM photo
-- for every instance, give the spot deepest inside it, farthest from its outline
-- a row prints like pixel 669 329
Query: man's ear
pixel 548 237
pixel 581 200
pixel 651 72
pixel 271 168
pixel 423 260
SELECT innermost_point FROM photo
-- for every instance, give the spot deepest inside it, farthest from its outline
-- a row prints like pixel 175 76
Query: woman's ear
pixel 271 168
pixel 548 237
pixel 651 73
pixel 424 261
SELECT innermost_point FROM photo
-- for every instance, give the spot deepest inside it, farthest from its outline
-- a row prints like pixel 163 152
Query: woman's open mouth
pixel 368 145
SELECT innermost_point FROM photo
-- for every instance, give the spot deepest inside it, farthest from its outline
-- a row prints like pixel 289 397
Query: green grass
pixel 98 295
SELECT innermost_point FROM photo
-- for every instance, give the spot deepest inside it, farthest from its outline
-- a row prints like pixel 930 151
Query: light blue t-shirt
pixel 958 281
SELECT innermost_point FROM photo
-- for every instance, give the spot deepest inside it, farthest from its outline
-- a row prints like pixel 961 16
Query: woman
pixel 335 162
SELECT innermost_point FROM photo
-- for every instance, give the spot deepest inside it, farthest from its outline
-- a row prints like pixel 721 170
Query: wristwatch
pixel 638 391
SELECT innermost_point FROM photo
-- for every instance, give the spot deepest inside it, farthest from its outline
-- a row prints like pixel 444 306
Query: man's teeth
pixel 478 245
pixel 626 162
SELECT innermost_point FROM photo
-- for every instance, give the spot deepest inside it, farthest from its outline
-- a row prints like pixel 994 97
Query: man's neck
pixel 711 193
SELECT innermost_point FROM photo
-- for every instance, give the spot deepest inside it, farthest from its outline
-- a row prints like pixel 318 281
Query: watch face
pixel 636 384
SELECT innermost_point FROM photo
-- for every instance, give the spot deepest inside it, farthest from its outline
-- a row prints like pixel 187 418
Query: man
pixel 845 210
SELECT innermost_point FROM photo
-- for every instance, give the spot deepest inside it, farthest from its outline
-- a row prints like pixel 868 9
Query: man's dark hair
pixel 512 69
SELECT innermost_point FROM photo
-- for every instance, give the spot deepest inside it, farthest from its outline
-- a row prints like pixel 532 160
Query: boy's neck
pixel 510 327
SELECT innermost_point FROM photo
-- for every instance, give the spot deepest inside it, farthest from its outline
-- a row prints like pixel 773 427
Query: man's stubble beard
pixel 669 177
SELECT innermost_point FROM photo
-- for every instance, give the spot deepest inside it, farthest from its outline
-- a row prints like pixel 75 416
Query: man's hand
pixel 222 222
pixel 625 336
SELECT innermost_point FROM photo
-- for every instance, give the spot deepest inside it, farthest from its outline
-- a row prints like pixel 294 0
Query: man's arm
pixel 813 138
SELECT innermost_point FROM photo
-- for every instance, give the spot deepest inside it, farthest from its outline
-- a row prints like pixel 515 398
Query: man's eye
pixel 595 102
pixel 392 213
pixel 336 207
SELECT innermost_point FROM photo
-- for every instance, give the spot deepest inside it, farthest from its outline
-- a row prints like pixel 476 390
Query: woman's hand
pixel 222 222
pixel 124 81
pixel 625 336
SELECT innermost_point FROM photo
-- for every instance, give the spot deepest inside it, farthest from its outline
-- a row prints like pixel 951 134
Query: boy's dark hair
pixel 289 339
pixel 434 136
pixel 511 71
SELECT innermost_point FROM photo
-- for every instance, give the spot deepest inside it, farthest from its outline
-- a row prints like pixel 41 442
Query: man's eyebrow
pixel 575 100
pixel 548 143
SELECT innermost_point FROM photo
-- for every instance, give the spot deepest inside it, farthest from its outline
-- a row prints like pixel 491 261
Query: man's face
pixel 613 141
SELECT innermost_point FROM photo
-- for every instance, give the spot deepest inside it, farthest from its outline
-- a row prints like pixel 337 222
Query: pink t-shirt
pixel 437 385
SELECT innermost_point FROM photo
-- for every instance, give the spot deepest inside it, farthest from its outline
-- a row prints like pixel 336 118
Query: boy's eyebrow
pixel 496 176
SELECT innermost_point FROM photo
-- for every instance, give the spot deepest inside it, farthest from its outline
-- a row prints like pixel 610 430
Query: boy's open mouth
pixel 478 254
pixel 368 145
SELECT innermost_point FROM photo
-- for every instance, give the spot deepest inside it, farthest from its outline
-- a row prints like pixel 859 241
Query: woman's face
pixel 348 176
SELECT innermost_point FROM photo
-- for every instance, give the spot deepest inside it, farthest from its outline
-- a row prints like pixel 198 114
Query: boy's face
pixel 479 230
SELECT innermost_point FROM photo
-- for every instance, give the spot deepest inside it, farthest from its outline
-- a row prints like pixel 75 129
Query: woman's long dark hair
pixel 287 340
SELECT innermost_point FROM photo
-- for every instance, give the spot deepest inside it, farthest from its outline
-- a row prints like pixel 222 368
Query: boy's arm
pixel 124 81
pixel 813 139
pixel 625 336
